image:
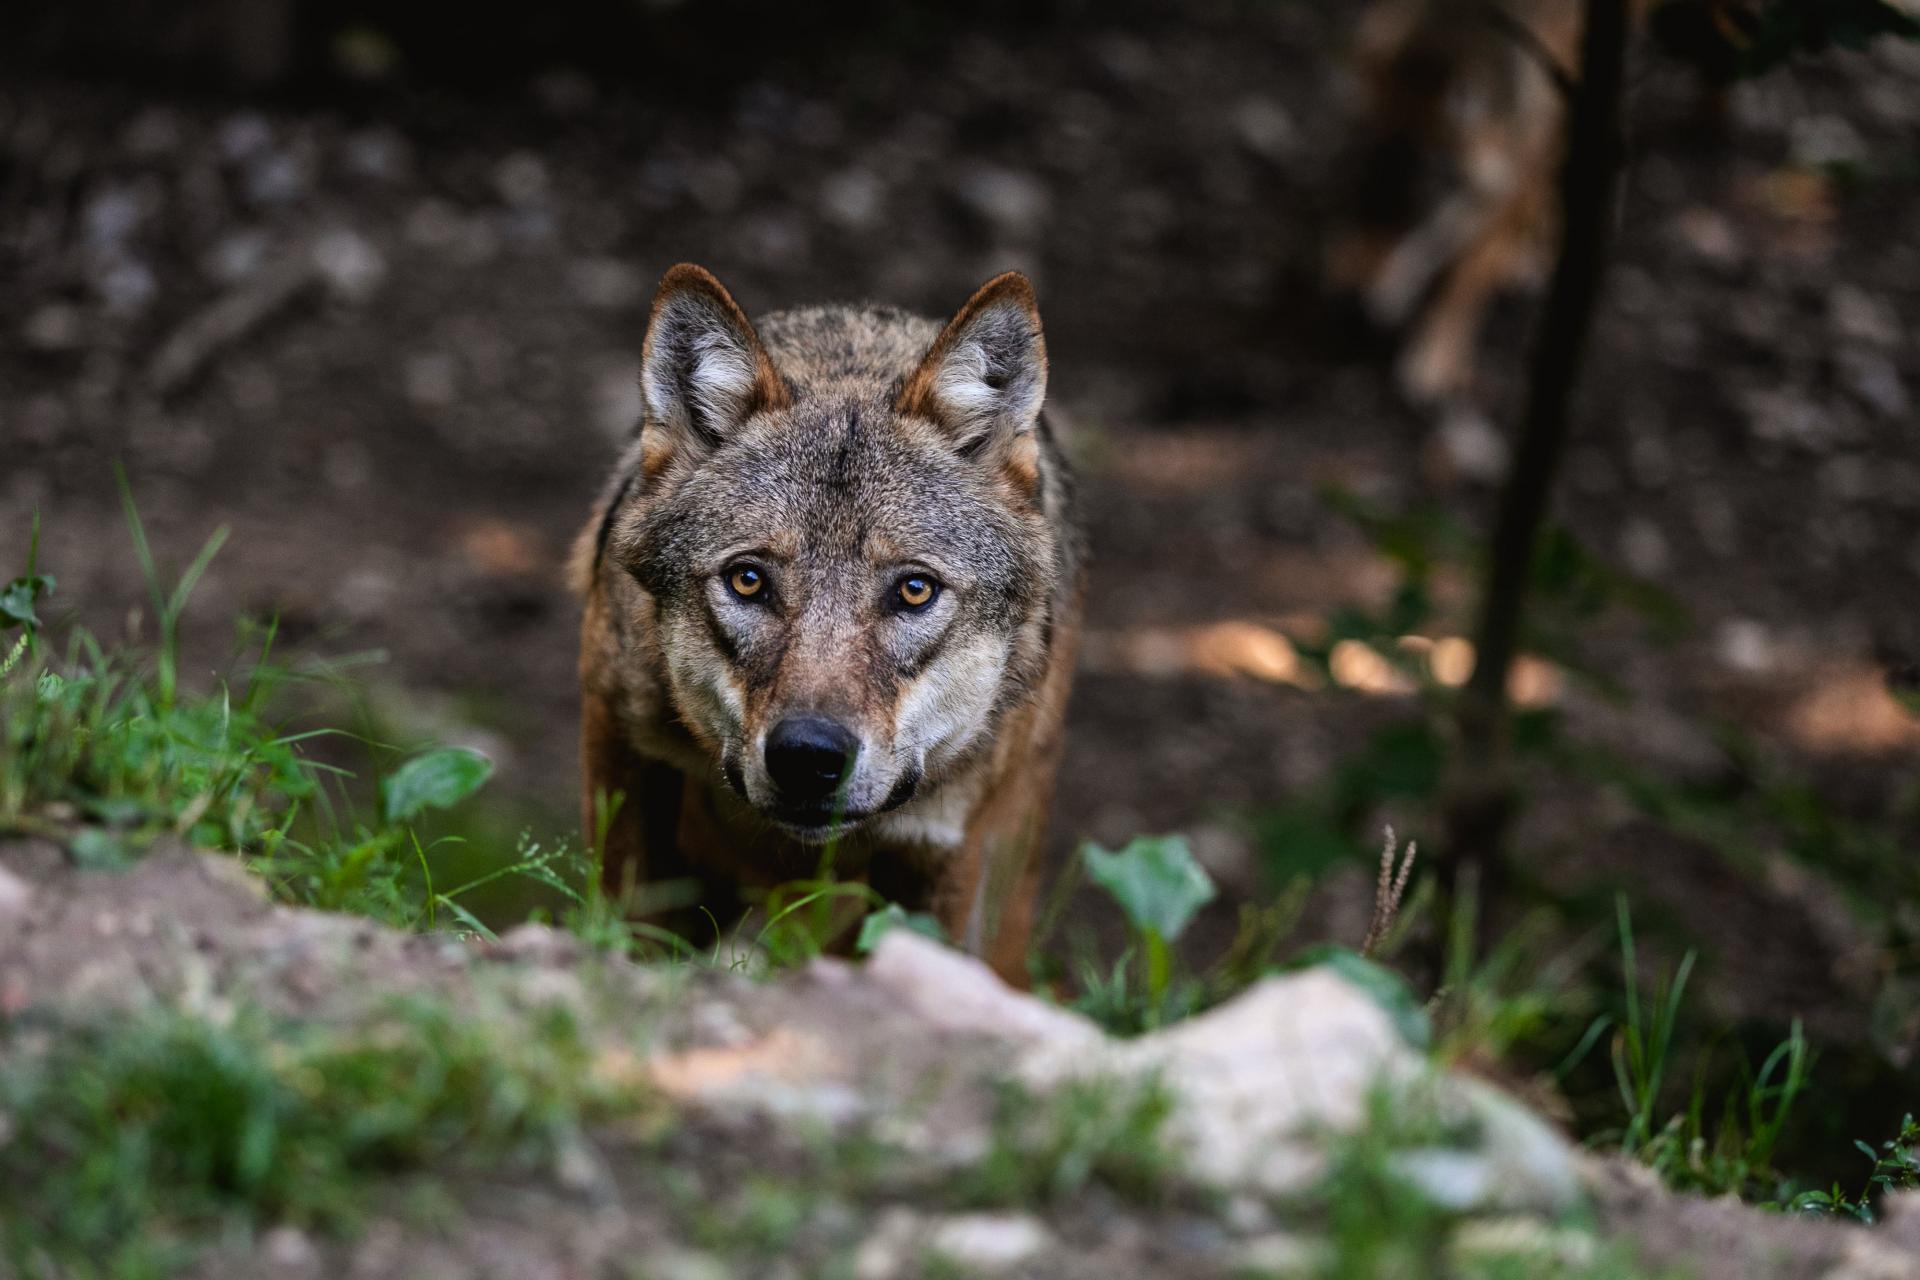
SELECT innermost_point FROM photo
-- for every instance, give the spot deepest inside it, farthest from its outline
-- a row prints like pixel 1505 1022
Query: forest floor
pixel 390 343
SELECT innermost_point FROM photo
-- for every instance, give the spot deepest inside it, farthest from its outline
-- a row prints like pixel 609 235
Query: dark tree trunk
pixel 1481 796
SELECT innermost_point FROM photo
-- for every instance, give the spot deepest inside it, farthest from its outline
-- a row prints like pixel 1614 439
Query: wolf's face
pixel 848 565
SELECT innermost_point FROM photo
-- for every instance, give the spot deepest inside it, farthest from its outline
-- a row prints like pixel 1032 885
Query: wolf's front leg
pixel 629 804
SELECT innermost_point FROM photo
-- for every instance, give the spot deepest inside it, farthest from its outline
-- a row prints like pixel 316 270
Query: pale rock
pixel 891 1248
pixel 1471 446
pixel 1745 645
pixel 685 1264
pixel 1264 127
pixel 854 198
pixel 1013 202
pixel 289 1253
pixel 57 326
pixel 989 1243
pixel 1283 1254
pixel 1854 313
pixel 351 264
pixel 16 895
pixel 1252 1079
pixel 521 179
pixel 237 255
pixel 955 992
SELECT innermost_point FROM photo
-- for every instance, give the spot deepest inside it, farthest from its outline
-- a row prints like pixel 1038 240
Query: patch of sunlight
pixel 1848 709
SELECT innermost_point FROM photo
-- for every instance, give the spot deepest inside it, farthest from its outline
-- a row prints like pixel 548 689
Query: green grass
pixel 154 1131
pixel 1049 1149
pixel 1379 1223
pixel 129 1140
pixel 107 752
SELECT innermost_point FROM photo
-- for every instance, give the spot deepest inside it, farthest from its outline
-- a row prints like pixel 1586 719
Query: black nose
pixel 808 757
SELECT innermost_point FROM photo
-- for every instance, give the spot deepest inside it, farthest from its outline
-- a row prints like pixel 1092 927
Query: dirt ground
pixel 390 342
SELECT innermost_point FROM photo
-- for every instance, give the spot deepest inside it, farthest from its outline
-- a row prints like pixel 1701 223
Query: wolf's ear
pixel 985 376
pixel 702 369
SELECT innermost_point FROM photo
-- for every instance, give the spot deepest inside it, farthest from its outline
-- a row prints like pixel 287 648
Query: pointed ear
pixel 985 376
pixel 702 369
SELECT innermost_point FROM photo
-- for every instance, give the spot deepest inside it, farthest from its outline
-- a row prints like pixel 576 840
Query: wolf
pixel 1462 112
pixel 832 599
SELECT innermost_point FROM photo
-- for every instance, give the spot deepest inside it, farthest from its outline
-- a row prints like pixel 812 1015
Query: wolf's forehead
pixel 845 480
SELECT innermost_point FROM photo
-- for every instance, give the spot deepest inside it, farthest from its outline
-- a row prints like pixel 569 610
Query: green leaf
pixel 1154 879
pixel 438 779
pixel 894 916
pixel 1385 987
pixel 17 598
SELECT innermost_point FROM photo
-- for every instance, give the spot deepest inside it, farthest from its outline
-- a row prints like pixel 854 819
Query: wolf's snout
pixel 808 757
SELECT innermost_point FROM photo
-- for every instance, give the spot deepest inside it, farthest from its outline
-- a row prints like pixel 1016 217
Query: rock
pixel 1746 646
pixel 854 198
pixel 290 1254
pixel 955 992
pixel 1264 127
pixel 1526 1165
pixel 1012 202
pixel 1855 314
pixel 1471 447
pixel 521 179
pixel 989 1243
pixel 891 1247
pixel 351 264
pixel 685 1264
pixel 16 895
pixel 1252 1078
pixel 57 326
pixel 1282 1254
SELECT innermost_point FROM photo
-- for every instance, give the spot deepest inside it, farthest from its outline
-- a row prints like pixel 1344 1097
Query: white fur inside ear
pixel 699 371
pixel 994 378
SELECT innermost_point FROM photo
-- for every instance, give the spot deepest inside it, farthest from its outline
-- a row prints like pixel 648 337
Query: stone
pixel 350 264
pixel 1250 1080
pixel 16 896
pixel 956 992
pixel 989 1243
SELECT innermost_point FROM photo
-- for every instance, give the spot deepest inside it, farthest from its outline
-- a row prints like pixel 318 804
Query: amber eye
pixel 746 581
pixel 917 592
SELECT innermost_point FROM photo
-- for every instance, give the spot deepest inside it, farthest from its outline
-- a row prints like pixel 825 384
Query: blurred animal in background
pixel 1461 116
pixel 1462 107
pixel 833 595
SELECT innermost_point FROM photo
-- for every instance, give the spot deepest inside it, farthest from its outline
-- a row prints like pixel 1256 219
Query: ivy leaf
pixel 437 779
pixel 1156 881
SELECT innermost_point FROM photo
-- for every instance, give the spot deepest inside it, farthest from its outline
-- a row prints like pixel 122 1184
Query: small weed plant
pixel 128 1138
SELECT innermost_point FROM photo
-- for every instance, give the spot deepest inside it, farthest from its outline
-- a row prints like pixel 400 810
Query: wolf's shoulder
pixel 838 343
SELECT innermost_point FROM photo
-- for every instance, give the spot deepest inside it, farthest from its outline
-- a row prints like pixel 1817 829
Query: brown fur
pixel 844 442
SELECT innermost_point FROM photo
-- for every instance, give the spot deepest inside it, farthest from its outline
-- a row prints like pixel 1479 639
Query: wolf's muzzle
pixel 808 757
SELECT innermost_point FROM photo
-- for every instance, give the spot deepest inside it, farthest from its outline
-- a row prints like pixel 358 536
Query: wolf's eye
pixel 746 581
pixel 917 592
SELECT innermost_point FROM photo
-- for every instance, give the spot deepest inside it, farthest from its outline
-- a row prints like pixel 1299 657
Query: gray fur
pixel 833 497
